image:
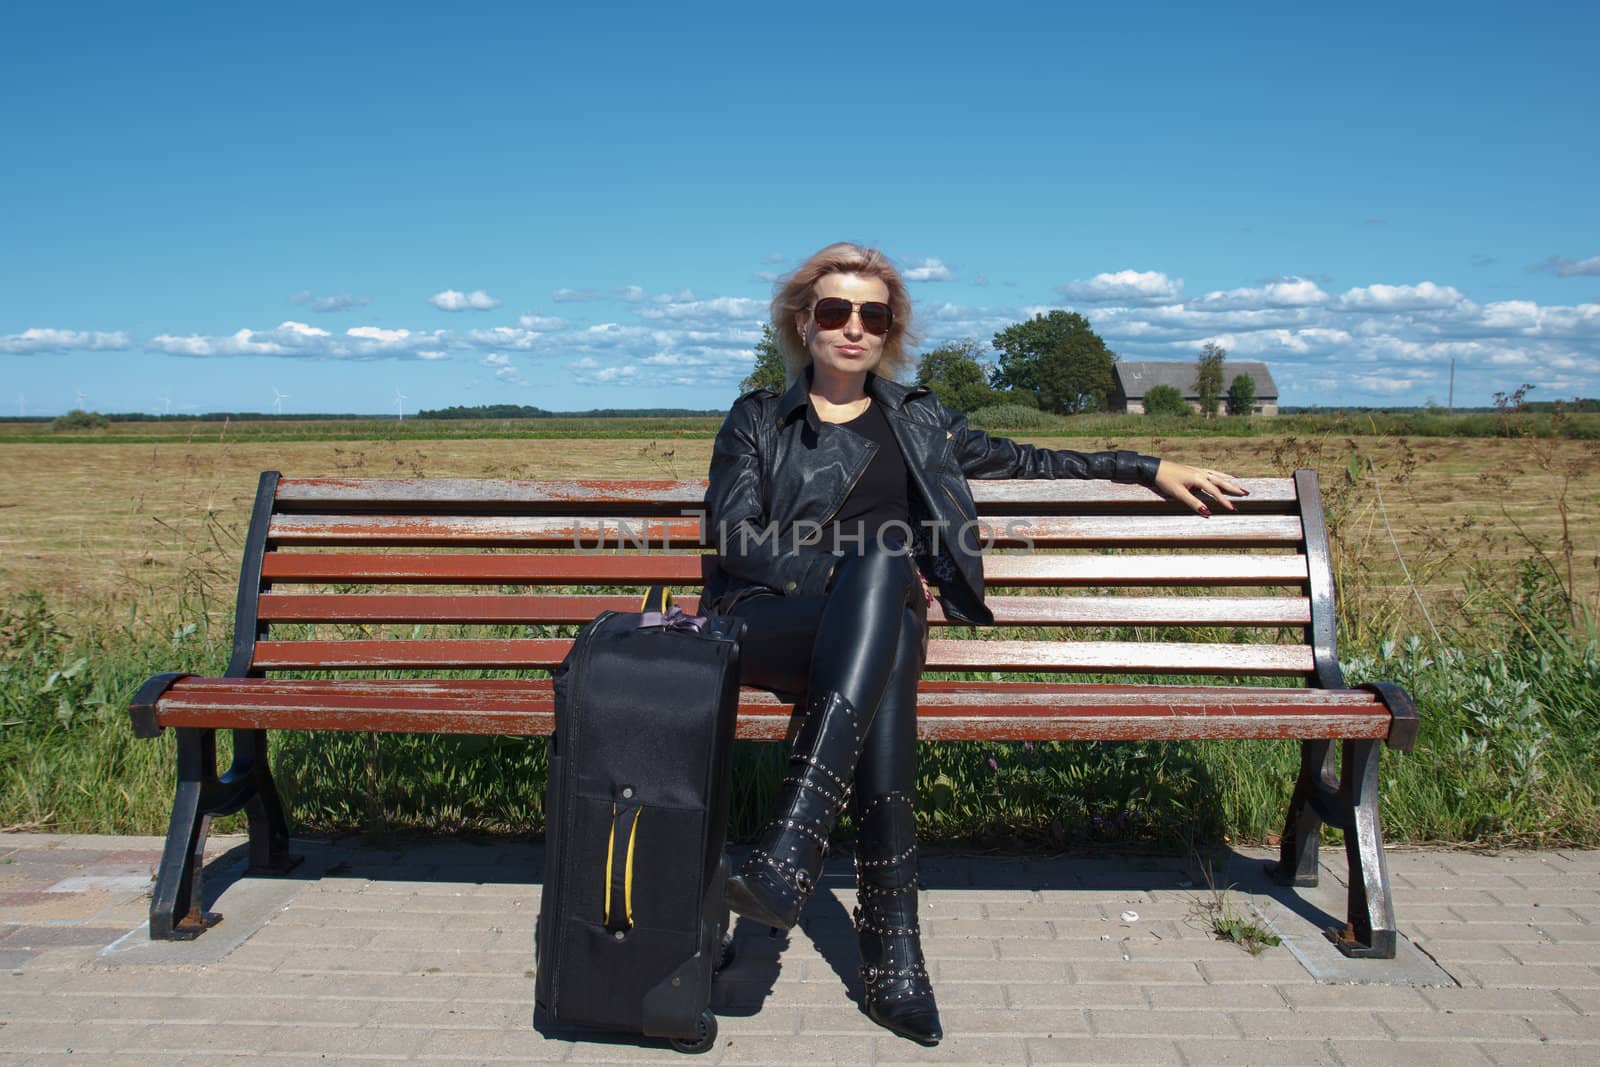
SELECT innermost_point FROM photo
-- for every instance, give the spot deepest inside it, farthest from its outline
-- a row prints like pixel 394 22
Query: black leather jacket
pixel 778 474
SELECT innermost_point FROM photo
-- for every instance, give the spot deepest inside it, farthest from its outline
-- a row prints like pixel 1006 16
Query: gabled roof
pixel 1138 378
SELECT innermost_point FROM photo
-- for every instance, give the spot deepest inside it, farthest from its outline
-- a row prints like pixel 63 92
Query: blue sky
pixel 585 208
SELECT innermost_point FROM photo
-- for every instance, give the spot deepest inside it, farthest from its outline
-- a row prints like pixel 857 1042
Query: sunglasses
pixel 833 312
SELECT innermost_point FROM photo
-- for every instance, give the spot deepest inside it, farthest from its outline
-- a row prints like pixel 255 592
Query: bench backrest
pixel 441 575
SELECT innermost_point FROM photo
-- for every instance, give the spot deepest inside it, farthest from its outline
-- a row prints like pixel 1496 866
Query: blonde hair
pixel 794 292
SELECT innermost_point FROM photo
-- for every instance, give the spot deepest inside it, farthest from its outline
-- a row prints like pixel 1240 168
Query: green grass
pixel 1509 753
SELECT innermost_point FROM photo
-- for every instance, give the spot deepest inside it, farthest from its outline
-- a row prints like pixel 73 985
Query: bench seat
pixel 946 711
pixel 438 580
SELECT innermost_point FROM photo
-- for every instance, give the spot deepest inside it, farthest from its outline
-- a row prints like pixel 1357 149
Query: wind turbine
pixel 79 394
pixel 400 404
pixel 22 406
pixel 166 403
pixel 278 399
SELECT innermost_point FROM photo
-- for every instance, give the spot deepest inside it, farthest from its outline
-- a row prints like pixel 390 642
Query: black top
pixel 879 496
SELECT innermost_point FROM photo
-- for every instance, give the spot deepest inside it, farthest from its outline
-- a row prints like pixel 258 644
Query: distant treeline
pixel 485 411
pixel 1581 406
pixel 524 411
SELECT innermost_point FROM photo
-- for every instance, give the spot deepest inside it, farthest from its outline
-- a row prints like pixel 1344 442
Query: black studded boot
pixel 781 873
pixel 897 990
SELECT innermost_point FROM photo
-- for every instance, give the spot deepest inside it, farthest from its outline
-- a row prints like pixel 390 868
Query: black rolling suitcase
pixel 631 922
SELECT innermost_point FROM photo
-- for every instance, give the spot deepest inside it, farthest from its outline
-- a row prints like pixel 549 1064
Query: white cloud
pixel 1124 286
pixel 503 337
pixel 33 341
pixel 297 339
pixel 721 308
pixel 574 296
pixel 341 302
pixel 928 270
pixel 1419 297
pixel 1381 385
pixel 376 333
pixel 531 321
pixel 1563 267
pixel 1288 292
pixel 588 372
pixel 495 359
pixel 456 300
pixel 631 293
pixel 433 355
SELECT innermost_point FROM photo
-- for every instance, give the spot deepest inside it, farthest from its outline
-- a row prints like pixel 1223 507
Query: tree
pixel 957 375
pixel 1059 359
pixel 78 419
pixel 1242 395
pixel 1208 378
pixel 769 372
pixel 1166 400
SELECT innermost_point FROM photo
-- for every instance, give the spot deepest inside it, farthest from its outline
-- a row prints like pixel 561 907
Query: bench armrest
pixel 142 708
pixel 1404 722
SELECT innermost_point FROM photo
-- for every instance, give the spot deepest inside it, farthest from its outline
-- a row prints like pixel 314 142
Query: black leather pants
pixel 865 640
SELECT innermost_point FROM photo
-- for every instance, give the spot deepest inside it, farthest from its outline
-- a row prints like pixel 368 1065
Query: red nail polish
pixel 1205 511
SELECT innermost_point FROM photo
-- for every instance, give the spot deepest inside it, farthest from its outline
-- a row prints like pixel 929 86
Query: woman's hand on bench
pixel 1179 481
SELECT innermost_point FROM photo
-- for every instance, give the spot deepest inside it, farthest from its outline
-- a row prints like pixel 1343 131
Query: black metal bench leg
pixel 1302 830
pixel 269 828
pixel 1369 933
pixel 177 910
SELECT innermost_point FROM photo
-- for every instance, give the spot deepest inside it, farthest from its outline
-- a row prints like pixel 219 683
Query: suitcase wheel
pixel 705 1035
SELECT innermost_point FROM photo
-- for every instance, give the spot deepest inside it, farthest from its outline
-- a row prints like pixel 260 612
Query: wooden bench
pixel 442 566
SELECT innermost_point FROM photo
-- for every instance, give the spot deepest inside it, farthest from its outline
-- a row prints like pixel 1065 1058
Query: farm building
pixel 1134 379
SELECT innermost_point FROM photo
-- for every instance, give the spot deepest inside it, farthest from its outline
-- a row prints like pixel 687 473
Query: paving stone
pixel 1210 950
pixel 1542 1055
pixel 1546 914
pixel 280 934
pixel 1321 997
pixel 1586 1001
pixel 1314 1025
pixel 1214 998
pixel 15 958
pixel 1410 1053
pixel 1553 897
pixel 1449 952
pixel 1200 1052
pixel 1021 1022
pixel 1102 1050
pixel 33 1038
pixel 1163 1023
pixel 1271 966
pixel 1540 954
pixel 1466 930
pixel 38 937
pixel 957 1049
pixel 1458 1025
pixel 1116 996
pixel 1580 1028
pixel 27 1006
pixel 1135 972
pixel 1522 1001
pixel 1520 976
pixel 996 929
pixel 997 971
pixel 733 1048
pixel 1039 949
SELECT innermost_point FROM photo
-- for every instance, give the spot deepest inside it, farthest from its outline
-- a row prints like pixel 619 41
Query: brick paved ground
pixel 425 953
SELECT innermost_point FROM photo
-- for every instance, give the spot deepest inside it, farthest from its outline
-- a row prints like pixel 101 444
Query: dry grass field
pixel 99 527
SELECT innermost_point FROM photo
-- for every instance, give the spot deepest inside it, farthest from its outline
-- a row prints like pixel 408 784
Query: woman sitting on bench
pixel 833 506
